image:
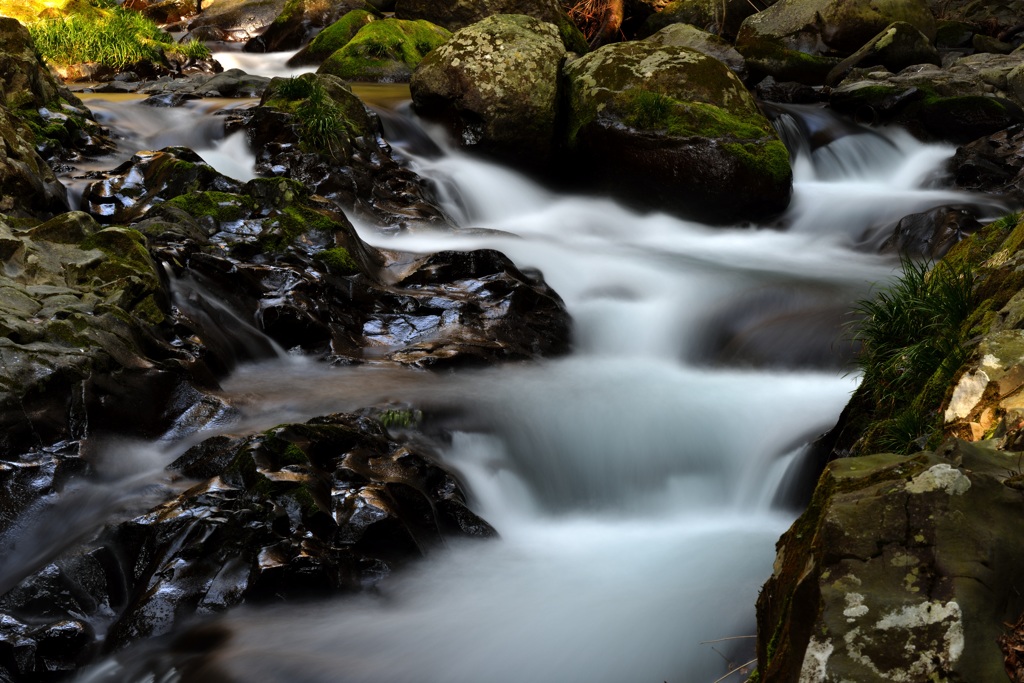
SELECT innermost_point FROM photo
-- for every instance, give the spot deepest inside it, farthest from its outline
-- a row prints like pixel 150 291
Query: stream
pixel 638 484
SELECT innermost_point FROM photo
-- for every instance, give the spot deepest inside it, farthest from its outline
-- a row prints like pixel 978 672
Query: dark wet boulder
pixel 494 86
pixel 802 40
pixel 236 20
pixel 900 45
pixel 670 128
pixel 973 97
pixel 28 186
pixel 231 83
pixel 458 14
pixel 332 38
pixel 385 51
pixel 993 164
pixel 300 511
pixel 932 233
pixel 898 570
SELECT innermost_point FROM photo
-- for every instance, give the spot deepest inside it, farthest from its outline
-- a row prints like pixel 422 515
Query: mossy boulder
pixel 332 38
pixel 898 570
pixel 237 20
pixel 900 45
pixel 670 128
pixel 299 21
pixel 385 51
pixel 458 14
pixel 802 40
pixel 494 85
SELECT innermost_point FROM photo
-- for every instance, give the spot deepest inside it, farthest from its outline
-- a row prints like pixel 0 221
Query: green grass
pixel 117 38
pixel 913 340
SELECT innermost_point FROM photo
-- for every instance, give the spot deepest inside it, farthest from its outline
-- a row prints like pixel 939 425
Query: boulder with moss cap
pixel 673 129
pixel 385 51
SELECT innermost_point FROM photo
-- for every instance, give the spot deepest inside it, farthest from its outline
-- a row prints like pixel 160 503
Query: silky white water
pixel 632 482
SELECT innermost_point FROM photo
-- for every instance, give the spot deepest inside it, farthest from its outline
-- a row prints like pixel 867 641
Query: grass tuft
pixel 913 336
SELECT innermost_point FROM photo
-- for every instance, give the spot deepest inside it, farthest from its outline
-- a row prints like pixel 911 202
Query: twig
pixel 741 667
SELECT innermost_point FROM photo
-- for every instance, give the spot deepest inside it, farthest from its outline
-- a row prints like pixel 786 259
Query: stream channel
pixel 637 484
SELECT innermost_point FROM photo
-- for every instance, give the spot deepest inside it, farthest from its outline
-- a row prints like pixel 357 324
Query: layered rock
pixel 673 129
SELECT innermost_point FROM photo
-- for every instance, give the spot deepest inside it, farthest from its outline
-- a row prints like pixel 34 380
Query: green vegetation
pixel 649 110
pixel 400 418
pixel 913 337
pixel 386 50
pixel 338 261
pixel 113 37
pixel 337 35
pixel 323 125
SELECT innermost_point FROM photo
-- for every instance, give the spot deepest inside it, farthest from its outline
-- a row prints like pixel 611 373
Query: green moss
pixel 769 158
pixel 324 124
pixel 286 225
pixel 770 57
pixel 221 206
pixel 386 50
pixel 338 34
pixel 338 261
pixel 401 418
pixel 647 110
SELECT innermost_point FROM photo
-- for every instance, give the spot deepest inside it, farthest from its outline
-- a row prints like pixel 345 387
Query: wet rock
pixel 993 164
pixel 235 20
pixel 385 51
pixel 494 86
pixel 797 40
pixel 897 571
pixel 28 186
pixel 972 98
pixel 345 160
pixel 932 233
pixel 672 129
pixel 462 13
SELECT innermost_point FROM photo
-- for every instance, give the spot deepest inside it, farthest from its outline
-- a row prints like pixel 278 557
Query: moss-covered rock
pixel 458 14
pixel 802 40
pixel 898 570
pixel 495 87
pixel 685 35
pixel 673 129
pixel 332 38
pixel 385 51
pixel 298 21
pixel 28 186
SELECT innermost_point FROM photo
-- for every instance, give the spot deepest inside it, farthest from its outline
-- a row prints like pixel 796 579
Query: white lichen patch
pixel 966 395
pixel 855 606
pixel 928 652
pixel 990 361
pixel 940 477
pixel 815 664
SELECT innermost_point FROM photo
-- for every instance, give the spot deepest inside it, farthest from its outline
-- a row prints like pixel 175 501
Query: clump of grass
pixel 116 37
pixel 913 340
pixel 649 110
pixel 322 124
pixel 295 88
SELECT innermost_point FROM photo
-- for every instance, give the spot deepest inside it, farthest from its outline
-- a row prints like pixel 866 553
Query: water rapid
pixel 633 483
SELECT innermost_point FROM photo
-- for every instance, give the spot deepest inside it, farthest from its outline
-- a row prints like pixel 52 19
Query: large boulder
pixel 235 20
pixel 802 40
pixel 332 38
pixel 457 14
pixel 385 51
pixel 685 35
pixel 975 96
pixel 899 570
pixel 494 86
pixel 672 129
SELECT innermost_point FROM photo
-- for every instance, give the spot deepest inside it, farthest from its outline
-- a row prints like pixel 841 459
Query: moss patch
pixel 338 261
pixel 385 51
pixel 337 35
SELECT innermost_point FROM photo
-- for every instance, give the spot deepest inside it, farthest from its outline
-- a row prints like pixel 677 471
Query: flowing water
pixel 634 483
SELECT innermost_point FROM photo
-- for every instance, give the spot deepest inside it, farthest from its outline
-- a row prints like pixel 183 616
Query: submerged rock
pixel 670 128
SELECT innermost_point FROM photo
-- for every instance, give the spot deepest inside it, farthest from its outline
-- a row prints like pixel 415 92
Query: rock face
pixel 676 130
pixel 494 86
pixel 898 571
pixel 385 51
pixel 798 40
